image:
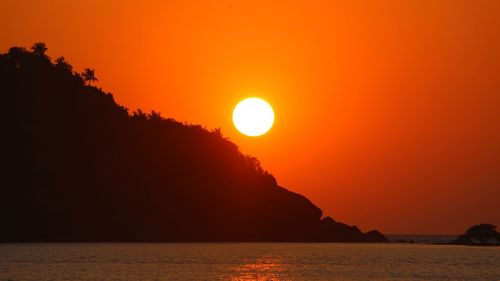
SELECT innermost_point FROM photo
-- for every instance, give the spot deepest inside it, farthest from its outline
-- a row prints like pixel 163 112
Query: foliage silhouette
pixel 89 75
pixel 63 65
pixel 76 166
pixel 39 49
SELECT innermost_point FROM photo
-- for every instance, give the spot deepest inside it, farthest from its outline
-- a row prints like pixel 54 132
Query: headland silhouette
pixel 76 166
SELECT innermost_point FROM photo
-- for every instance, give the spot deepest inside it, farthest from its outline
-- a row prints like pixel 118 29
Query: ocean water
pixel 248 261
pixel 429 238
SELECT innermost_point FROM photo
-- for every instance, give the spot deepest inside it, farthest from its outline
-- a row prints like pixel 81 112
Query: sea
pixel 247 261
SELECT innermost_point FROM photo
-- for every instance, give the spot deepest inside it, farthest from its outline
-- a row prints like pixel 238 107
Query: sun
pixel 253 117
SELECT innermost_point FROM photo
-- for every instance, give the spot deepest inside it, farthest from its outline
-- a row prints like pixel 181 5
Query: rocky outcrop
pixel 479 235
pixel 340 232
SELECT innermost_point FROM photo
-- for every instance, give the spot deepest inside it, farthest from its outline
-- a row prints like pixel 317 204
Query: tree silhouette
pixel 62 64
pixel 39 49
pixel 155 116
pixel 89 75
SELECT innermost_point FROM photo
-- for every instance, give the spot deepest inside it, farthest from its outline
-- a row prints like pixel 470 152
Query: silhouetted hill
pixel 75 166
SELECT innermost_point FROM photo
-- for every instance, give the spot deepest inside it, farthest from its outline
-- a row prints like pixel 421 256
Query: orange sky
pixel 387 112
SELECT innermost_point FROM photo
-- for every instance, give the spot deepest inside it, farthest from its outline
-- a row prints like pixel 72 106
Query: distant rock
pixel 480 235
pixel 332 230
pixel 76 166
pixel 375 236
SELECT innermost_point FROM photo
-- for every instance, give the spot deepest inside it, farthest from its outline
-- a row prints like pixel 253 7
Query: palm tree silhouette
pixel 89 75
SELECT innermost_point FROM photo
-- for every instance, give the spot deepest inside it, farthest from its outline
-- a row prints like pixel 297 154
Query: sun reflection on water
pixel 264 269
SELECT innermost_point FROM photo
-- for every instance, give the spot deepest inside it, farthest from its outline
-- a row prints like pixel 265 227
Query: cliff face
pixel 75 166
